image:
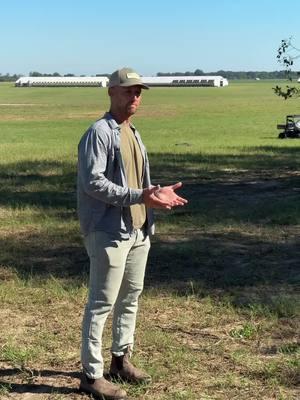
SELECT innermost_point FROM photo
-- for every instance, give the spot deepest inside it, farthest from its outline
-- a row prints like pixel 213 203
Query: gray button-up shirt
pixel 102 192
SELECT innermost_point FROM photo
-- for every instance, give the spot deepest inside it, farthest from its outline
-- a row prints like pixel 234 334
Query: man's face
pixel 125 100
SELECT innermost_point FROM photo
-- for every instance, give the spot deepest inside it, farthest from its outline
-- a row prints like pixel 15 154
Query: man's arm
pixel 92 163
pixel 93 152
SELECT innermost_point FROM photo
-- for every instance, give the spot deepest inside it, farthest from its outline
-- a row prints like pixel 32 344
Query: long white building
pixel 185 81
pixel 102 81
pixel 62 81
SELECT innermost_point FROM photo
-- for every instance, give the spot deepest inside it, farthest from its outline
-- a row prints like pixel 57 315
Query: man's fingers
pixel 159 202
pixel 176 185
pixel 181 199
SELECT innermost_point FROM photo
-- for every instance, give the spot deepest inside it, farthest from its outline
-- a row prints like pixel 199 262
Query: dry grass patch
pixel 195 347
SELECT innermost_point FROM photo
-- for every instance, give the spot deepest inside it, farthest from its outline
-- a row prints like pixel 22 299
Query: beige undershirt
pixel 134 167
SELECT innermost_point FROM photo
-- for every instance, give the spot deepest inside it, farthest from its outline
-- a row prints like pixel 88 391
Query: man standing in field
pixel 115 201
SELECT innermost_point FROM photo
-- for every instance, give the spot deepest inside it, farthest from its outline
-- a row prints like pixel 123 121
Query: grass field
pixel 219 317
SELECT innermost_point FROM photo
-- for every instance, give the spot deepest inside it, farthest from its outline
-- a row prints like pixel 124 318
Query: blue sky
pixel 94 36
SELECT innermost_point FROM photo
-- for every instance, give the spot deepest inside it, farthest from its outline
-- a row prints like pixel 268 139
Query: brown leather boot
pixel 121 368
pixel 101 388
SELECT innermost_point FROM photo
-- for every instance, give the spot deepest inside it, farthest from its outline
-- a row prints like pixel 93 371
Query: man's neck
pixel 120 119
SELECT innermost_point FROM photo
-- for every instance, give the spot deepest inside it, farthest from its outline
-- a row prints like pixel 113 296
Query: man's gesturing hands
pixel 163 197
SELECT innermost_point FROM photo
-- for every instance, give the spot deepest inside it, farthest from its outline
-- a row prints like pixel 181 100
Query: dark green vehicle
pixel 291 128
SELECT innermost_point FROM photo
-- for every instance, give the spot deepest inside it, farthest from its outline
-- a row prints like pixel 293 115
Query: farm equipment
pixel 291 128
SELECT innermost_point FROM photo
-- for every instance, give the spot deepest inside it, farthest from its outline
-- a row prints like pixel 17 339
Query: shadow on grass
pixel 211 261
pixel 38 388
pixel 41 381
pixel 244 270
pixel 223 261
pixel 265 161
pixel 41 184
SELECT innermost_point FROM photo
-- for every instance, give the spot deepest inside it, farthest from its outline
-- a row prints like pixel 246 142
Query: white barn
pixel 209 80
pixel 62 81
pixel 102 81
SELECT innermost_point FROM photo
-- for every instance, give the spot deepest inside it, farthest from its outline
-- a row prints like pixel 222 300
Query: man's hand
pixel 167 193
pixel 163 197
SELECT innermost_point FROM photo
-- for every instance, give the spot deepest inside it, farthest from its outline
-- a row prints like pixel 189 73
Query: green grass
pixel 220 312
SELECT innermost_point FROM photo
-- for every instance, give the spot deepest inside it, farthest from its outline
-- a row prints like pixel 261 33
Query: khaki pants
pixel 117 270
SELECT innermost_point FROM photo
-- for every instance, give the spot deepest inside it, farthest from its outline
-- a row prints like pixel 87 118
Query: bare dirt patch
pixel 40 384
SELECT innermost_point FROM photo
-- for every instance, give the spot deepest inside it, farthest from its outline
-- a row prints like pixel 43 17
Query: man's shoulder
pixel 102 130
pixel 100 124
pixel 105 123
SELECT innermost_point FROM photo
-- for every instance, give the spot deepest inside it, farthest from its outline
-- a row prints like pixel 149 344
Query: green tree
pixel 35 73
pixel 198 72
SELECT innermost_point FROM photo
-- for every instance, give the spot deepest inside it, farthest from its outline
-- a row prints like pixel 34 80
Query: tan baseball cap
pixel 126 77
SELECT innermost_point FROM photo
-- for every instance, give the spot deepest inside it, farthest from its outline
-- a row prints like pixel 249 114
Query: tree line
pixel 230 75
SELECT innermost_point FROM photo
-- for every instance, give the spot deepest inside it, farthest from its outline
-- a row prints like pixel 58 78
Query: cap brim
pixel 135 84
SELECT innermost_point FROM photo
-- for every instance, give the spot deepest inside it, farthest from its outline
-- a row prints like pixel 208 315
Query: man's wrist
pixel 136 196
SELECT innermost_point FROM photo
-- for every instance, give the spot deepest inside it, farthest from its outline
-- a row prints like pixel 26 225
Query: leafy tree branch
pixel 287 53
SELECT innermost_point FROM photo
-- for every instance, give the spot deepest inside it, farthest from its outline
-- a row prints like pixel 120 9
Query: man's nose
pixel 134 96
